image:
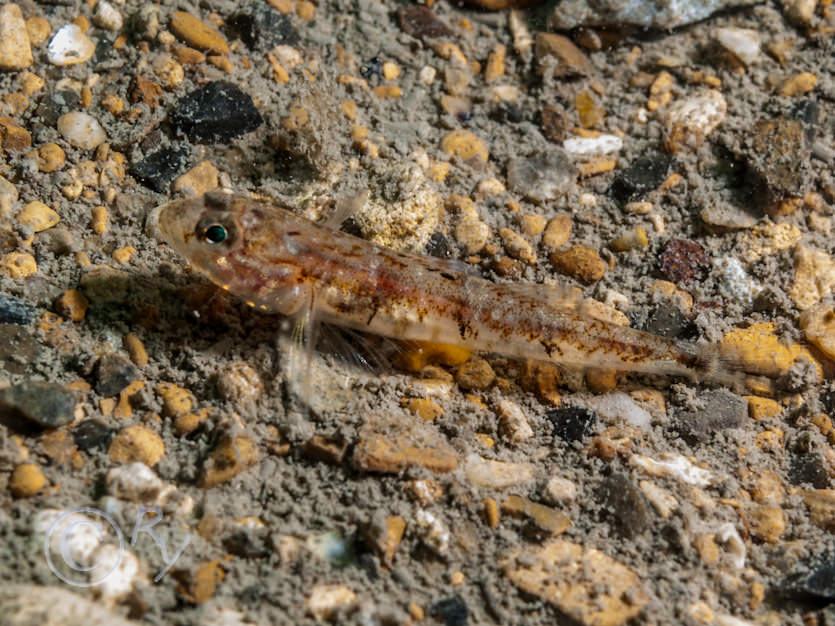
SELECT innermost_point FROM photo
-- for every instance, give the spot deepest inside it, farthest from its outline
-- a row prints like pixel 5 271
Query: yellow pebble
pixel 349 110
pixel 18 264
pixel 760 352
pixel 387 91
pixel 26 480
pixel 416 612
pixel 137 443
pixel 424 408
pixel 72 304
pixel 457 579
pixel 465 146
pixel 99 221
pixel 771 440
pixel 114 104
pixel 418 354
pixel 798 84
pixel 762 408
pixel 438 171
pixel 175 399
pixel 188 422
pixel 197 34
pixel 491 512
pixel 391 71
pixel 136 349
pixel 38 30
pixel 49 157
pixel 305 10
pixel 124 255
pixel 30 83
pixel 37 216
pixel 494 69
pixel 818 324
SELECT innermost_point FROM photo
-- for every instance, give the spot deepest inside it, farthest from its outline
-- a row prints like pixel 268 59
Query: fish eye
pixel 215 233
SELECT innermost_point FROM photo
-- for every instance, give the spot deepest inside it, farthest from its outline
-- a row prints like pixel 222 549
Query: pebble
pixel 544 176
pixel 72 304
pixel 618 407
pixel 13 310
pixel 675 465
pixel 571 423
pixel 688 122
pixel 196 33
pixel 624 505
pixel 421 22
pixel 37 216
pixel 38 28
pixel 717 410
pixel 69 46
pixel 582 147
pixel 81 130
pixel 766 522
pixel 592 588
pixel 465 145
pixel 667 320
pixel 543 520
pixel 15 51
pixel 113 373
pixel 239 383
pixel 198 585
pixel 798 85
pixel 144 91
pixel 655 14
pixel 683 261
pixel 760 351
pixel 818 325
pixel 383 536
pixel 799 11
pixel 661 500
pixel 808 469
pixel 262 28
pixel 38 403
pixel 735 283
pixel 216 112
pixel 327 602
pixel 814 276
pixel 18 264
pixel 812 578
pixel 644 174
pixel 557 232
pixel 198 180
pixel 393 454
pixel 137 443
pixel 475 375
pixel 92 434
pixel 560 56
pixel 471 234
pixel 159 168
pixel 633 239
pixel 26 606
pixel 496 474
pixel 579 262
pixel 49 157
pixel 27 479
pixel 433 532
pixel 230 457
pixel 13 137
pixel 517 246
pixel 560 491
pixel 769 239
pixel 107 16
pixel 513 425
pixel 743 43
pixel 777 154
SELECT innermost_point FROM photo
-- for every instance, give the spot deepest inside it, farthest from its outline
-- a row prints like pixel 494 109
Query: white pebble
pixel 560 490
pixel 69 533
pixel 70 46
pixel 136 482
pixel 427 74
pixel 617 406
pixel 744 43
pixel 433 531
pixel 107 16
pixel 326 600
pixel 513 425
pixel 735 281
pixel 592 146
pixel 691 120
pixel 118 569
pixel 674 465
pixel 81 130
pixel 496 474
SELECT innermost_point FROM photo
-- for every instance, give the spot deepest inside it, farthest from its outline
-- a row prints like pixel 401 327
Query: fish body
pixel 280 262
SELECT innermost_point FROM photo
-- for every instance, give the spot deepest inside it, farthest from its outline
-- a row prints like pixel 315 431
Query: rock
pixel 15 51
pixel 107 16
pixel 743 43
pixel 81 130
pixel 818 324
pixel 197 33
pixel 766 522
pixel 471 234
pixel 216 112
pixel 198 180
pixel 13 310
pixel 24 605
pixel 496 474
pixel 557 232
pixel 808 469
pixel 37 216
pixel 821 505
pixel 729 216
pixel 571 423
pixel 230 457
pixel 579 262
pixel 759 351
pixel 92 434
pixel 734 281
pixel 451 611
pixel 69 46
pixel 617 407
pixel 378 453
pixel 717 410
pixel 544 519
pixel 433 532
pixel 13 137
pixel 799 11
pixel 175 399
pixel 137 443
pixel 688 122
pixel 158 169
pixel 420 22
pixel 475 375
pixel 517 246
pixel 583 583
pixel 383 535
pixel 18 349
pixel 198 585
pixel 811 579
pixel 465 145
pixel 682 261
pixel 644 174
pixel 72 304
pixel 513 425
pixel 50 157
pixel 560 56
pixel 584 147
pixel 667 320
pixel 624 505
pixel 326 602
pixel 262 28
pixel 658 14
pixel 675 465
pixel 36 403
pixel 239 383
pixel 114 373
pixel 814 276
pixel 560 491
pixel 26 480
pixel 777 154
pixel 144 91
pixel 543 176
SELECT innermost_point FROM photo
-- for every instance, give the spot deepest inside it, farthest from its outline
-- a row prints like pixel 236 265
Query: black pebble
pixel 56 104
pixel 571 423
pixel 217 112
pixel 812 579
pixel 15 311
pixel 157 170
pixel 451 611
pixel 36 403
pixel 438 246
pixel 18 349
pixel 808 469
pixel 828 400
pixel 718 410
pixel 667 321
pixel 92 434
pixel 113 374
pixel 624 505
pixel 262 28
pixel 642 175
pixel 372 67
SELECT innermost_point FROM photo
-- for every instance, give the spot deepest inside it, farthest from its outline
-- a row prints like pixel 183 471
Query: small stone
pixel 38 29
pixel 198 180
pixel 424 408
pixel 107 16
pixel 743 43
pixel 571 423
pixel 517 247
pixel 262 28
pixel 808 469
pixel 545 519
pixel 464 145
pixel 762 408
pixel 216 112
pixel 661 500
pixel 92 434
pixel 644 174
pixel 634 239
pixel 50 157
pixel 81 130
pixel 555 123
pixel 113 374
pixel 327 602
pixel 582 582
pixel 72 304
pixel 513 425
pixel 690 121
pixel 378 453
pixel 15 51
pixel 15 311
pixel 777 153
pixel 759 351
pixel 37 216
pixel 559 55
pixel 798 85
pixel 475 375
pixel 560 491
pixel 799 11
pixel 818 324
pixel 137 443
pixel 683 261
pixel 36 403
pixel 471 234
pixel 579 262
pixel 69 46
pixel 383 536
pixel 811 579
pixel 766 522
pixel 197 34
pixel 230 457
pixel 451 611
pixel 240 383
pixel 624 505
pixel 198 585
pixel 543 176
pixel 27 479
pixel 585 147
pixel 532 225
pixel 717 410
pixel 18 265
pixel 158 169
pixel 542 378
pixel 557 232
pixel 13 137
pixel 496 474
pixel 814 276
pixel 144 91
pixel 420 22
